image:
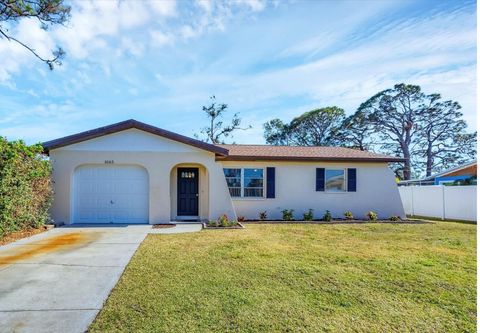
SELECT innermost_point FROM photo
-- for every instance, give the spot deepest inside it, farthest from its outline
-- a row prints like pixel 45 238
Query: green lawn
pixel 300 278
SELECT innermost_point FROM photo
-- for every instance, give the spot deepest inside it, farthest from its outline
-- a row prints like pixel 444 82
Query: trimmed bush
pixel 327 216
pixel 308 216
pixel 25 186
pixel 287 214
pixel 372 216
pixel 348 215
pixel 263 215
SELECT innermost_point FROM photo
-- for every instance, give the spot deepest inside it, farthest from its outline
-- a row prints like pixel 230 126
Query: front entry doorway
pixel 187 192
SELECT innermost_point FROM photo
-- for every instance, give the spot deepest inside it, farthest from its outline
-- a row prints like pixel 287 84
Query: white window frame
pixel 242 188
pixel 344 180
pixel 241 182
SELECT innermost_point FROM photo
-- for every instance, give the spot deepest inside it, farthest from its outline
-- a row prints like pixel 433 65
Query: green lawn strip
pixel 437 219
pixel 300 278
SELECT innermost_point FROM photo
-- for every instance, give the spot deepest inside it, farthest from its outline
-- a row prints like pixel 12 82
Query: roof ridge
pixel 306 153
pixel 268 145
pixel 125 125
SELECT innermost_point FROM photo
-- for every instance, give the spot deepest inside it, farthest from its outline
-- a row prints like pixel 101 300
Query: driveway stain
pixel 48 245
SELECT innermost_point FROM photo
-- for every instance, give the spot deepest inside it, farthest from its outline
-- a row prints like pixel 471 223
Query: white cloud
pixel 132 14
pixel 164 7
pixel 131 46
pixel 206 5
pixel 188 32
pixel 159 38
pixel 255 5
pixel 421 51
pixel 102 28
pixel 259 66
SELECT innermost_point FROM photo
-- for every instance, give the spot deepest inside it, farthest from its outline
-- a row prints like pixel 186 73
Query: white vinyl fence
pixel 445 202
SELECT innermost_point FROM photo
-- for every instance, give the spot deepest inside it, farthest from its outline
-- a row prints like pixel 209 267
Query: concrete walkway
pixel 57 281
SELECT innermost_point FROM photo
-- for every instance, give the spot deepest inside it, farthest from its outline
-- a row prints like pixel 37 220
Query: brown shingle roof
pixel 127 124
pixel 301 153
pixel 232 152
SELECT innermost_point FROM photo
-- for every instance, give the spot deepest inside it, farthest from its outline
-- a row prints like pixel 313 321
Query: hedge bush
pixel 25 186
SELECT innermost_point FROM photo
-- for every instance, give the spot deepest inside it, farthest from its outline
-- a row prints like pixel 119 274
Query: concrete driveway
pixel 57 281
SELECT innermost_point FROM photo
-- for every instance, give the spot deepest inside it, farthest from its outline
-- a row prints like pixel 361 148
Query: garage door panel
pixel 110 194
pixel 88 201
pixel 102 215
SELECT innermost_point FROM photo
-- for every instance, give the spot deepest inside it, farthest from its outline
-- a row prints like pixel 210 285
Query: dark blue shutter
pixel 270 182
pixel 320 181
pixel 352 180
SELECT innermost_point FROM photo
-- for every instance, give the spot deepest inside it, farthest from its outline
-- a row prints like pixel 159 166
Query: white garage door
pixel 110 194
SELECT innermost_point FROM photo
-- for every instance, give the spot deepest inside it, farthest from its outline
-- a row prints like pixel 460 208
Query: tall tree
pixel 428 132
pixel 442 138
pixel 319 127
pixel 277 133
pixel 216 130
pixel 357 132
pixel 394 115
pixel 47 12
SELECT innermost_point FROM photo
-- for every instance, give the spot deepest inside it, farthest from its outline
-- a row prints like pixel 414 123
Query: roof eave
pixel 311 159
pixel 128 124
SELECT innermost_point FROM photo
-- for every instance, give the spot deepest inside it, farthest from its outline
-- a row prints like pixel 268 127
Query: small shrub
pixel 308 216
pixel 241 219
pixel 222 221
pixel 348 215
pixel 287 214
pixel 263 215
pixel 372 216
pixel 394 218
pixel 327 216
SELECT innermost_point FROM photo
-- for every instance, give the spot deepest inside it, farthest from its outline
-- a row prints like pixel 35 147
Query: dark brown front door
pixel 187 192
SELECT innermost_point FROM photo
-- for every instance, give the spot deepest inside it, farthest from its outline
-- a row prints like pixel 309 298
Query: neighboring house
pixel 461 175
pixel 131 172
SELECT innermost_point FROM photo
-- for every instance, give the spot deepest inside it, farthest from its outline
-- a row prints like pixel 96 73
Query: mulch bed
pixel 163 226
pixel 238 226
pixel 14 236
pixel 338 222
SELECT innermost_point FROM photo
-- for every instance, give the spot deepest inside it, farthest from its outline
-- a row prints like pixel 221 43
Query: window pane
pixel 253 182
pixel 253 192
pixel 234 182
pixel 253 173
pixel 235 191
pixel 232 172
pixel 335 180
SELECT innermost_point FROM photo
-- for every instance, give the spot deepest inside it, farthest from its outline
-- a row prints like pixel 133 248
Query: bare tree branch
pixel 47 12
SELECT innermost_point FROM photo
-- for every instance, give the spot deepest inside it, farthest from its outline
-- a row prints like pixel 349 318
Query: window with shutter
pixel 270 182
pixel 352 180
pixel 320 179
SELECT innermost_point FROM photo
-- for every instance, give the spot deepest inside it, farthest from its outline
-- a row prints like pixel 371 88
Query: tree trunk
pixel 407 174
pixel 429 160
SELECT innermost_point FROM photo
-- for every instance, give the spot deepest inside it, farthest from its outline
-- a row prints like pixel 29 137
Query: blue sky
pixel 159 62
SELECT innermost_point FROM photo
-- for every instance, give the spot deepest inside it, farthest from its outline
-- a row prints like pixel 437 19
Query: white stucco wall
pixel 295 189
pixel 295 181
pixel 157 155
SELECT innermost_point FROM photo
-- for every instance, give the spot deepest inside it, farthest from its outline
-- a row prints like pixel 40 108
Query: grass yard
pixel 300 278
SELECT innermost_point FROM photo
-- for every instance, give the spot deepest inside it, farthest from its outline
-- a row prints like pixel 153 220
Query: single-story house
pixel 464 174
pixel 132 172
